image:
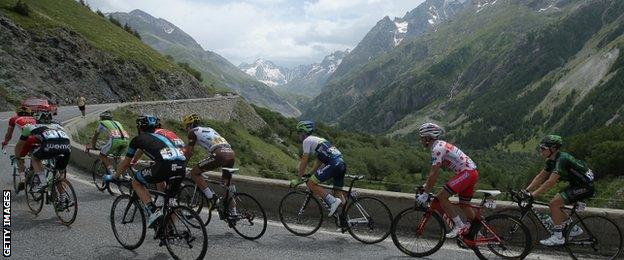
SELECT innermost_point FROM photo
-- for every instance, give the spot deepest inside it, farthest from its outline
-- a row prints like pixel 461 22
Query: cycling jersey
pixel 207 138
pixel 157 147
pixel 321 149
pixel 570 169
pixel 21 121
pixel 177 141
pixel 53 143
pixel 113 128
pixel 448 156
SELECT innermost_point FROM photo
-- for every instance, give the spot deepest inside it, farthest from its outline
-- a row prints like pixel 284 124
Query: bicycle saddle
pixel 492 193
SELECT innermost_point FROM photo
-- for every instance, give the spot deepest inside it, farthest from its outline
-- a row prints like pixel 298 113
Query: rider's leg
pixel 107 164
pixel 38 169
pixel 558 216
pixel 443 197
pixel 207 164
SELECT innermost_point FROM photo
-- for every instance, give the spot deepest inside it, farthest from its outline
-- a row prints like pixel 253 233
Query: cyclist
pixel 561 166
pixel 117 141
pixel 22 118
pixel 172 136
pixel 220 153
pixel 53 143
pixel 328 163
pixel 169 163
pixel 446 155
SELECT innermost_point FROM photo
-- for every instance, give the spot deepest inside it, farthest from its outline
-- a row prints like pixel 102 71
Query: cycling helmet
pixel 23 111
pixel 147 123
pixel 306 126
pixel 44 118
pixel 552 141
pixel 190 120
pixel 106 115
pixel 431 130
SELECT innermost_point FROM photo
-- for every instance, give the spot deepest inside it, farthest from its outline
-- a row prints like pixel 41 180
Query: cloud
pixel 288 32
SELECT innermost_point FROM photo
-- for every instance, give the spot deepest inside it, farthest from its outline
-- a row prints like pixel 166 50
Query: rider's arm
pixel 94 138
pixel 433 177
pixel 303 163
pixel 188 150
pixel 126 162
pixel 551 182
pixel 8 135
pixel 538 180
pixel 317 165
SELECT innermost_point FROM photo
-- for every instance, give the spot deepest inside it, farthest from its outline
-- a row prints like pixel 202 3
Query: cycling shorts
pixel 58 149
pixel 162 171
pixel 115 146
pixel 571 195
pixel 220 157
pixel 334 170
pixel 463 185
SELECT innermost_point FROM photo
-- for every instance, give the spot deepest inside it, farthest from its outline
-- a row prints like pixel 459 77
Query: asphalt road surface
pixel 90 236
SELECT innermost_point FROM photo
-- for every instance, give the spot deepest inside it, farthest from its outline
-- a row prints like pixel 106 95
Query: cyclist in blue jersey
pixel 169 167
pixel 328 164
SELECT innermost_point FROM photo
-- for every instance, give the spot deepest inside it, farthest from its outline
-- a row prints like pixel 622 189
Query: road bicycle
pixel 98 170
pixel 180 229
pixel 420 231
pixel 241 211
pixel 586 237
pixel 367 219
pixel 17 186
pixel 57 191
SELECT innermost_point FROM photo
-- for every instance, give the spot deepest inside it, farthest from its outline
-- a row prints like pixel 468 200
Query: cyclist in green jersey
pixel 118 140
pixel 561 166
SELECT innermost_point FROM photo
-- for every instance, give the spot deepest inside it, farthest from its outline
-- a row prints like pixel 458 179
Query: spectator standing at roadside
pixel 82 102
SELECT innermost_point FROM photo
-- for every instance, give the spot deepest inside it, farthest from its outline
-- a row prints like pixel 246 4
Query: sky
pixel 287 32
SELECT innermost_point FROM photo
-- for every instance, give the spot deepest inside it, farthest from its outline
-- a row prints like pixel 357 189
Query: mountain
pixel 388 33
pixel 170 40
pixel 499 74
pixel 303 80
pixel 61 49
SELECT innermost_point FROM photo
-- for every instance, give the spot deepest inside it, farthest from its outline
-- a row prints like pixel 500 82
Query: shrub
pixel 98 12
pixel 191 70
pixel 114 21
pixel 21 8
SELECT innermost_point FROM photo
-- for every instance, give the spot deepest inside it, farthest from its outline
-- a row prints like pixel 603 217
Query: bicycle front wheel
pixel 34 199
pixel 192 197
pixel 128 222
pixel 184 234
pixel 418 232
pixel 368 220
pixel 502 237
pixel 15 180
pixel 66 203
pixel 594 237
pixel 300 213
pixel 247 216
pixel 97 174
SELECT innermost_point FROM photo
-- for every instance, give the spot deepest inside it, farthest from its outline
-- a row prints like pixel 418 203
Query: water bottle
pixel 490 204
pixel 545 219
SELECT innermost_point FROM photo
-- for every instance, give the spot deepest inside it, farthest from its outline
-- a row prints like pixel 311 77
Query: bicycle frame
pixel 470 239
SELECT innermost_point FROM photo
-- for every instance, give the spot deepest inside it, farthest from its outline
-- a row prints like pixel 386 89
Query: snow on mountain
pixel 266 72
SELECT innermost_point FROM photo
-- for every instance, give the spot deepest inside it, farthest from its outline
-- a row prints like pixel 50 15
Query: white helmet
pixel 431 130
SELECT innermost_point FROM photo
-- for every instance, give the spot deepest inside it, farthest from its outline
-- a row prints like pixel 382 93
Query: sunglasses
pixel 541 147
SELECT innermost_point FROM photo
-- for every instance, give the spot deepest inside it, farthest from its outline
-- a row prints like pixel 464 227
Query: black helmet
pixel 106 115
pixel 147 123
pixel 44 118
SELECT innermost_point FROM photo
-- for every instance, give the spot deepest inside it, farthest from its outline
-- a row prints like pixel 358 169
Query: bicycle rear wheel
pixel 599 238
pixel 418 232
pixel 502 237
pixel 34 199
pixel 530 222
pixel 184 234
pixel 128 222
pixel 97 174
pixel 192 197
pixel 368 220
pixel 300 213
pixel 66 203
pixel 249 220
pixel 15 180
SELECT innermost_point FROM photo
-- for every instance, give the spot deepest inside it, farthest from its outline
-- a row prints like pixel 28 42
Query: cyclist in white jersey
pixel 446 155
pixel 220 153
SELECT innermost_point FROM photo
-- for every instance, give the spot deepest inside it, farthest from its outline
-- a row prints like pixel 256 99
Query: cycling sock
pixel 208 192
pixel 111 171
pixel 558 231
pixel 41 175
pixel 330 199
pixel 458 221
pixel 159 201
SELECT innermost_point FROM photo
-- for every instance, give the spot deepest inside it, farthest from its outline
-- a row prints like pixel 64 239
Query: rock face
pixel 59 63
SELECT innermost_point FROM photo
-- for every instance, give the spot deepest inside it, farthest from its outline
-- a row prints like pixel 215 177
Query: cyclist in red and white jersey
pixel 446 155
pixel 23 116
